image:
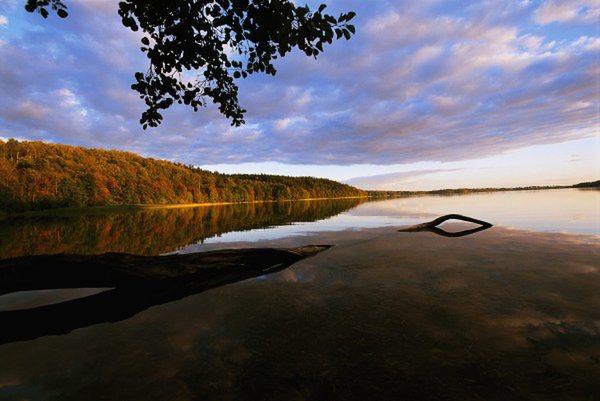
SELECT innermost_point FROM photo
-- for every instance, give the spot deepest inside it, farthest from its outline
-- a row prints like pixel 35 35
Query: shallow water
pixel 512 312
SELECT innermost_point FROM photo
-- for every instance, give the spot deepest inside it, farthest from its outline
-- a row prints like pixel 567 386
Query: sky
pixel 427 95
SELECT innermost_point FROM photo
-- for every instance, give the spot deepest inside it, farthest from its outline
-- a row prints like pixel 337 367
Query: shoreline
pixel 149 206
pixel 90 210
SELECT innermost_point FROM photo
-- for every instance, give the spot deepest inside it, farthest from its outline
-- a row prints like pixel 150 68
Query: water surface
pixel 512 312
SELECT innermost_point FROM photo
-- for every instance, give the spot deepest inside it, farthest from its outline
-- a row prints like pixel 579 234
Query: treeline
pixel 457 191
pixel 36 175
pixel 592 184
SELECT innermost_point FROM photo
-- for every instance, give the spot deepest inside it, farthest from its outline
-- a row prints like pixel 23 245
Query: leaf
pixel 187 39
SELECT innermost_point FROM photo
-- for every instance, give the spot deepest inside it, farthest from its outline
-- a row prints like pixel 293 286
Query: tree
pixel 220 40
pixel 47 176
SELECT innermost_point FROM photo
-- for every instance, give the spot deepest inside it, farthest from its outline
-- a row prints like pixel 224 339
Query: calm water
pixel 509 313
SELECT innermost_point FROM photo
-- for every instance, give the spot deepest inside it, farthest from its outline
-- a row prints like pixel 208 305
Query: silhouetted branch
pixel 432 226
pixel 137 282
pixel 222 41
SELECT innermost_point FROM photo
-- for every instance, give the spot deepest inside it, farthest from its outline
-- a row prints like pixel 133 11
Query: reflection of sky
pixel 343 221
pixel 568 211
pixel 33 299
pixel 372 314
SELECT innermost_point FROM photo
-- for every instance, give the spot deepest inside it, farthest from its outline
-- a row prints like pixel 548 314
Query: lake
pixel 508 313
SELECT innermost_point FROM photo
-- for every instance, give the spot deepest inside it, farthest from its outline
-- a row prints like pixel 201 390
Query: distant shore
pixel 466 191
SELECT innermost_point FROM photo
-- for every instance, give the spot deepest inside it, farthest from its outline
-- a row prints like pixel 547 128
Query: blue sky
pixel 428 94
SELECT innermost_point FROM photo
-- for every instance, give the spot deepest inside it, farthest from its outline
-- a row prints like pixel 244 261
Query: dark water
pixel 509 313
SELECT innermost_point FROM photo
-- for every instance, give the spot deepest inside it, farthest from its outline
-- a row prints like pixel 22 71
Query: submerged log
pixel 136 283
pixel 432 226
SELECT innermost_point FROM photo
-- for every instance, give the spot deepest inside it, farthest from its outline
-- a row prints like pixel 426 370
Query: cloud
pixel 566 11
pixel 421 81
pixel 393 181
pixel 3 20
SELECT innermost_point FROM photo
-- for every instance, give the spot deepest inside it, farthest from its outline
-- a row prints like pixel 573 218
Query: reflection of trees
pixel 152 232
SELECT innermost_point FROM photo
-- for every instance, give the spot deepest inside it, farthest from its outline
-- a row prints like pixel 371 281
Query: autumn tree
pixel 48 175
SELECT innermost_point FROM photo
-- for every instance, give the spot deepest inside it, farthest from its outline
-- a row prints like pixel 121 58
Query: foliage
pixel 222 40
pixel 592 184
pixel 41 6
pixel 36 175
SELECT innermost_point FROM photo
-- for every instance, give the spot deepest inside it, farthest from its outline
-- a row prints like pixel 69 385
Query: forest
pixel 36 175
pixel 591 184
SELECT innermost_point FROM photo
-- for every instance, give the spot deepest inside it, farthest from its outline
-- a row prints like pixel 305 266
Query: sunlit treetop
pixel 214 42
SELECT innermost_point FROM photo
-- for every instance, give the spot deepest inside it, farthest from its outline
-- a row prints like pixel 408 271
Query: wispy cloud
pixel 394 181
pixel 567 10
